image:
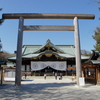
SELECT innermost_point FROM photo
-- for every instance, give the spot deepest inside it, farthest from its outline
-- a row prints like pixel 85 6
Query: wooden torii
pixel 22 27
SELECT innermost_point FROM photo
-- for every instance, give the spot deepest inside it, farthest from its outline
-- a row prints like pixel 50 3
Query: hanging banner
pixel 57 65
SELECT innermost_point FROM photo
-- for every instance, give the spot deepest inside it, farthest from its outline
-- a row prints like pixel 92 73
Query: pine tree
pixel 96 37
pixel 0 44
pixel 1 20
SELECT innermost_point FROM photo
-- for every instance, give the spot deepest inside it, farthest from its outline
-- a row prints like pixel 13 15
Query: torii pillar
pixel 19 53
pixel 77 50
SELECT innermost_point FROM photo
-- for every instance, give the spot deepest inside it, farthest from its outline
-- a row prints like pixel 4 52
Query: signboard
pixel 81 81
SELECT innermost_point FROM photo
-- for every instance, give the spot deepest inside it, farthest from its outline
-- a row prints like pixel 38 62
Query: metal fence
pixel 9 73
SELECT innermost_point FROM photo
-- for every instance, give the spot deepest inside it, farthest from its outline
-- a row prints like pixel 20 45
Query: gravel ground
pixel 49 89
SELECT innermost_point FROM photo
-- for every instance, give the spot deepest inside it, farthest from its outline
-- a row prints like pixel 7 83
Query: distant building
pixel 91 68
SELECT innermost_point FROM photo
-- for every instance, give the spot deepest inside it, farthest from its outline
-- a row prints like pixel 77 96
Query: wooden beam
pixel 71 68
pixel 48 28
pixel 46 16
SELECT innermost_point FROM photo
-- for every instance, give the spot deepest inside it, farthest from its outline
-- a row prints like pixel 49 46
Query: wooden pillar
pixel 25 71
pixel 77 50
pixel 66 68
pixel 98 76
pixel 72 73
pixel 25 68
pixel 19 53
pixel 83 73
pixel 30 67
pixel 1 72
pixel 66 73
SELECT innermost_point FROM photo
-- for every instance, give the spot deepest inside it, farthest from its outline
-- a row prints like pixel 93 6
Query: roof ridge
pixel 49 42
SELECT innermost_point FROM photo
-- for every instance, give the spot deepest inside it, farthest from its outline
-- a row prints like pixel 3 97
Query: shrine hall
pixel 47 58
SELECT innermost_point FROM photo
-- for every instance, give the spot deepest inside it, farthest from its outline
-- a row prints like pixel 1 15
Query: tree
pixel 4 55
pixel 96 37
pixel 0 44
pixel 85 52
pixel 1 20
pixel 95 1
pixel 98 1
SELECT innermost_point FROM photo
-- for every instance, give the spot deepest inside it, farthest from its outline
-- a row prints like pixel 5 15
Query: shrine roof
pixel 95 61
pixel 65 51
pixel 32 55
pixel 69 49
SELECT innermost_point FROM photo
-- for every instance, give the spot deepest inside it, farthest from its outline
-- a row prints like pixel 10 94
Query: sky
pixel 9 29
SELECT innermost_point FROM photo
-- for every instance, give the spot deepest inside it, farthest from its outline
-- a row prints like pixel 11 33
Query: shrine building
pixel 47 58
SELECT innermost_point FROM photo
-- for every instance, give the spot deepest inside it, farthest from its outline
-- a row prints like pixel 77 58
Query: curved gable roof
pixel 66 51
pixel 49 44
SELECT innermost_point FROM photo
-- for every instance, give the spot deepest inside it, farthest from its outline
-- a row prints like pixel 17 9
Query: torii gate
pixel 22 28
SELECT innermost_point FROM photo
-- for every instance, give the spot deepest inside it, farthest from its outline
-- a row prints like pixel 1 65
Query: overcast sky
pixel 9 29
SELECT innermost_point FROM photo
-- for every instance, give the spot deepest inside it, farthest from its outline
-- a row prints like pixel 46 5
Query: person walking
pixel 53 73
pixel 45 76
pixel 56 76
pixel 60 76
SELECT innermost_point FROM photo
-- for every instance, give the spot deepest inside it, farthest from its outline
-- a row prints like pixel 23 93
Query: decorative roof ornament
pixel 48 40
pixel 49 45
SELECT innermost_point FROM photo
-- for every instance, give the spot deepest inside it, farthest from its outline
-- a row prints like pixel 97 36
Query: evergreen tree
pixel 1 20
pixel 0 44
pixel 96 37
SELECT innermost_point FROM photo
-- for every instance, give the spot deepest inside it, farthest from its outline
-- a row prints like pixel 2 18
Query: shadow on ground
pixel 45 91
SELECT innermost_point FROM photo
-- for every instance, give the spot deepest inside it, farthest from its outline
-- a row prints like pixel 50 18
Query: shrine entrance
pixel 22 28
pixel 39 68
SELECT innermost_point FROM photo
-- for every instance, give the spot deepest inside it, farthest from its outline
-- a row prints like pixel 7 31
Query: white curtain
pixel 58 65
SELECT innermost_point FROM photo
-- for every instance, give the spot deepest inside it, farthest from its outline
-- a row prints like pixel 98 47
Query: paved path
pixel 49 89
